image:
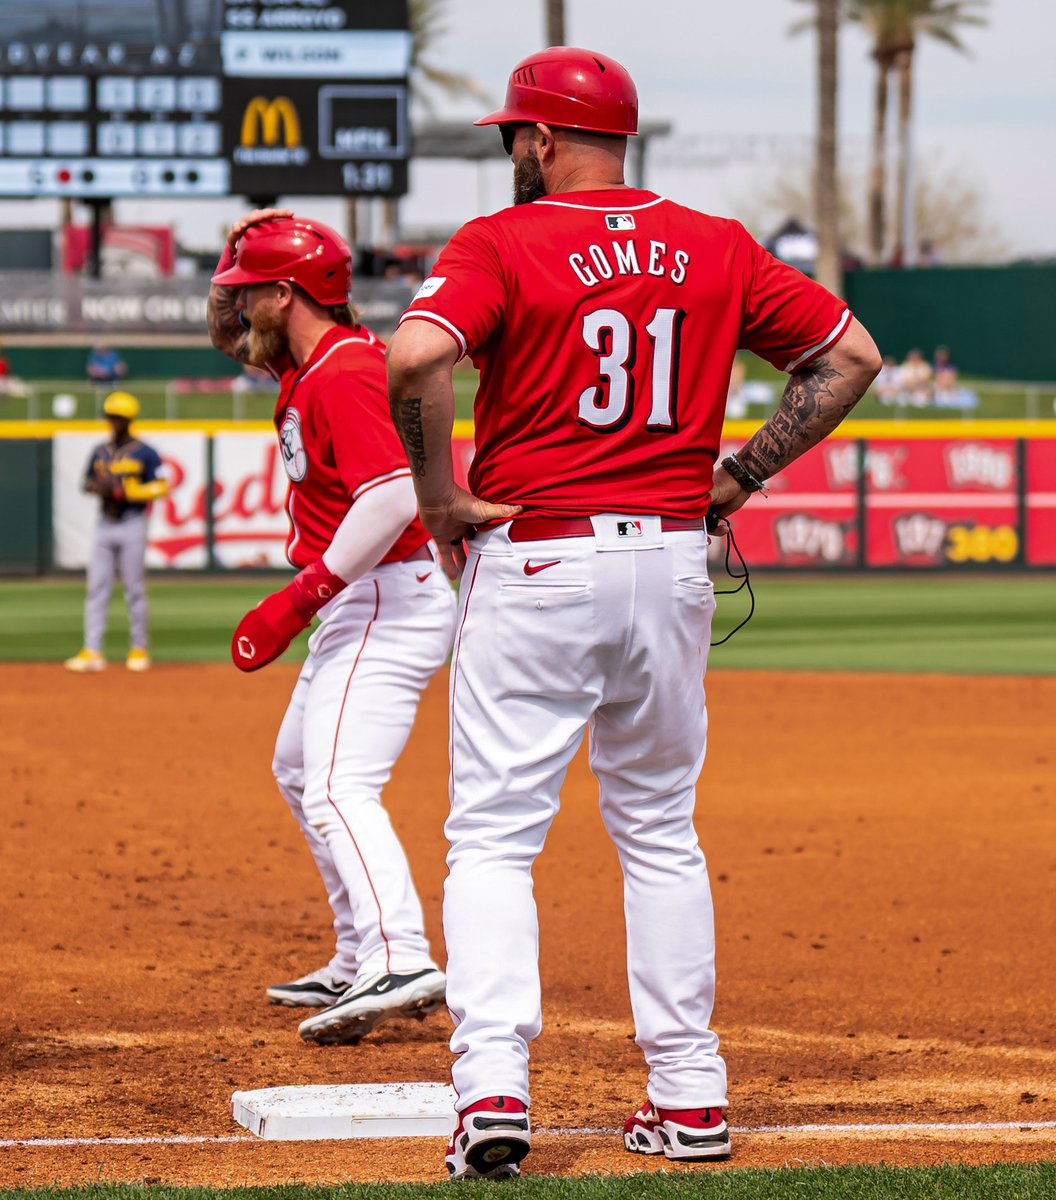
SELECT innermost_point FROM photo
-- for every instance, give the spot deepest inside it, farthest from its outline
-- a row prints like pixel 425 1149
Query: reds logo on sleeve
pixel 291 443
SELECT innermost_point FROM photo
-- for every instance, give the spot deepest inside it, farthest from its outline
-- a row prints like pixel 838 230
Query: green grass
pixel 189 406
pixel 1035 1181
pixel 191 619
pixel 952 623
pixel 998 400
pixel 964 623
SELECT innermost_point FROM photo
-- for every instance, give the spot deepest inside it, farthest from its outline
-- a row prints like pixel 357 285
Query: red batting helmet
pixel 576 89
pixel 291 249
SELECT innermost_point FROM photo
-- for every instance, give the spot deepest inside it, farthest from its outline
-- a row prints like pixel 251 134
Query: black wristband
pixel 740 473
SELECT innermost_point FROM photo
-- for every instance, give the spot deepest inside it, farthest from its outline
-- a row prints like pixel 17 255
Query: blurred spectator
pixel 915 379
pixel 928 255
pixel 947 390
pixel 253 379
pixel 945 373
pixel 10 385
pixel 105 366
pixel 888 384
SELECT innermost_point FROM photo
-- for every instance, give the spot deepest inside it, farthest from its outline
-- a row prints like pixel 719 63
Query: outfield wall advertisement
pixel 246 527
pixel 910 503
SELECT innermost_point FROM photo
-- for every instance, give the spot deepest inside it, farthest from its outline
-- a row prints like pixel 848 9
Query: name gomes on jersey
pixel 598 264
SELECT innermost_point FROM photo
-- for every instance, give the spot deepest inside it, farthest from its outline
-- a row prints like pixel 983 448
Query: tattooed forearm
pixel 815 401
pixel 225 330
pixel 407 416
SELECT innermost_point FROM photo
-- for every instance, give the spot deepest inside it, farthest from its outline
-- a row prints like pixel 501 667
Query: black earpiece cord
pixel 731 544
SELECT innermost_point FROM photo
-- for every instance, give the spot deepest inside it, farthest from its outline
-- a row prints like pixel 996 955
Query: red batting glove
pixel 267 630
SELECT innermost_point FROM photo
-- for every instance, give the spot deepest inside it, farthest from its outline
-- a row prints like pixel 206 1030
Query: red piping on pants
pixel 333 758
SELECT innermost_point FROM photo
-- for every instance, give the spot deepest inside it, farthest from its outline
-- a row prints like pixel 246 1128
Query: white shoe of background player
pixel 85 662
pixel 314 990
pixel 371 999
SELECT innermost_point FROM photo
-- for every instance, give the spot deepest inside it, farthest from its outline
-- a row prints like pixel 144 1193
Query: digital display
pixel 203 97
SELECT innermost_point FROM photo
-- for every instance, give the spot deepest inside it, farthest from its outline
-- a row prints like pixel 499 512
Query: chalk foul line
pixel 904 1128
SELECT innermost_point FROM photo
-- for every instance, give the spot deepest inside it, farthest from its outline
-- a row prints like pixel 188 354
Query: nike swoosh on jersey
pixel 529 569
pixel 422 578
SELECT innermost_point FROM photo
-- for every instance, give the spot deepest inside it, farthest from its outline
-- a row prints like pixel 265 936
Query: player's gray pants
pixel 118 547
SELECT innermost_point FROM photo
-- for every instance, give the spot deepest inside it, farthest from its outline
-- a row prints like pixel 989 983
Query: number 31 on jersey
pixel 612 338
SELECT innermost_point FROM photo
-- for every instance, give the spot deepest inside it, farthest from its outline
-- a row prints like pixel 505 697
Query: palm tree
pixel 895 26
pixel 427 20
pixel 826 187
pixel 555 22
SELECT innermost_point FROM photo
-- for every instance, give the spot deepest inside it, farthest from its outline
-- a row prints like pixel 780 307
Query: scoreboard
pixel 110 98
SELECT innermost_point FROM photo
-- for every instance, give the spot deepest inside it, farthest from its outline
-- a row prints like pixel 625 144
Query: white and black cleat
pixel 315 990
pixel 372 1000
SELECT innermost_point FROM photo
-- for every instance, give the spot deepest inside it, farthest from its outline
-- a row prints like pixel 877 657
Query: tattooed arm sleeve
pixel 816 399
pixel 421 357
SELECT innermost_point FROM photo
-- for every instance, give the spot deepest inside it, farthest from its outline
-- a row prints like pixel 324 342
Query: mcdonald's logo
pixel 263 121
pixel 271 134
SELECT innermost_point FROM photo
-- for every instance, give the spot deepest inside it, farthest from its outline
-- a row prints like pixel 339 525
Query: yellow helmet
pixel 121 404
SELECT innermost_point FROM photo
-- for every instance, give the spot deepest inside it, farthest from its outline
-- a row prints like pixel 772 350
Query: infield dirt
pixel 883 857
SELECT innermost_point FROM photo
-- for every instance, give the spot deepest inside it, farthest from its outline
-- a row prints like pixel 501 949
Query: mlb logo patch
pixel 628 529
pixel 430 287
pixel 619 222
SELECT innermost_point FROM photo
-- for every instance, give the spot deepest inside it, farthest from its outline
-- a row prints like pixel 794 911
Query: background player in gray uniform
pixel 126 475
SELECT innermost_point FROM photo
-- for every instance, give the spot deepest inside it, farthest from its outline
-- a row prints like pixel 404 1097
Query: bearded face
pixel 528 182
pixel 267 340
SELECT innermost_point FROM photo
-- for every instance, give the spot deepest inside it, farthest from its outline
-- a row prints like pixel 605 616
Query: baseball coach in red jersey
pixel 368 569
pixel 604 320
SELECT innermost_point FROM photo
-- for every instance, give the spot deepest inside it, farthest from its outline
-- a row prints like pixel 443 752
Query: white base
pixel 354 1110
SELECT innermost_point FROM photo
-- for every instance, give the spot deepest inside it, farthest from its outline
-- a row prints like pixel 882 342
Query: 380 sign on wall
pixel 910 502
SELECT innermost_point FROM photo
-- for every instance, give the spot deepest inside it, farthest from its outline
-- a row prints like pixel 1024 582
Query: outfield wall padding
pixel 882 501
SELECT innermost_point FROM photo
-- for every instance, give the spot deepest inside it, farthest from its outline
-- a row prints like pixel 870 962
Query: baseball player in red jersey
pixel 369 571
pixel 604 321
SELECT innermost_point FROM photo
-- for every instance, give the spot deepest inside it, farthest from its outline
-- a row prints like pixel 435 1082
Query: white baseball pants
pixel 378 645
pixel 610 635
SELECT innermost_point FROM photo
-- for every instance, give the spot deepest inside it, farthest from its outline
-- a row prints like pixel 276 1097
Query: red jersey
pixel 604 325
pixel 337 441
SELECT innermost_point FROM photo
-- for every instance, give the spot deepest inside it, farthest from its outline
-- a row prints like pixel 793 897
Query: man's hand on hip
pixel 727 495
pixel 456 519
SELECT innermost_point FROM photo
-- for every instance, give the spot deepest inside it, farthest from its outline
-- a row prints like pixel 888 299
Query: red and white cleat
pixel 639 1132
pixel 492 1137
pixel 684 1135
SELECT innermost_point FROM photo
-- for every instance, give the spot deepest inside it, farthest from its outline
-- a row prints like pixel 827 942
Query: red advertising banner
pixel 136 251
pixel 1040 533
pixel 929 503
pixel 943 502
pixel 808 516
